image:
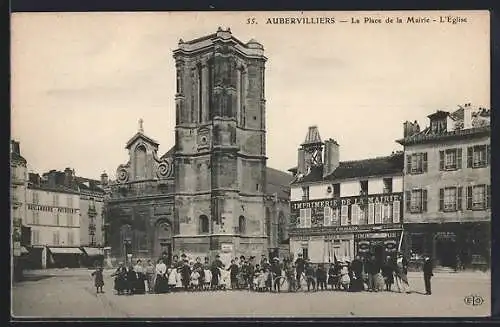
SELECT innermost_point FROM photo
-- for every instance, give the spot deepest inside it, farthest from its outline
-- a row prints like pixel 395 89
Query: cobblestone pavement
pixel 70 293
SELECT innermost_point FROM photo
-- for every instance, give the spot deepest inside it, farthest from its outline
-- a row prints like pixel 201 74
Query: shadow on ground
pixel 33 278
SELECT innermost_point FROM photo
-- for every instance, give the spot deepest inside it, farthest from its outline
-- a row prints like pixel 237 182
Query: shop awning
pixel 24 250
pixel 65 250
pixel 93 252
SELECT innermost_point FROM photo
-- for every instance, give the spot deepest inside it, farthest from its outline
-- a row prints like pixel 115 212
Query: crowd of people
pixel 361 274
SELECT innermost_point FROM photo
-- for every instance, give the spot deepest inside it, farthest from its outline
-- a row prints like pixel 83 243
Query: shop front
pixel 380 243
pixel 454 245
pixel 323 246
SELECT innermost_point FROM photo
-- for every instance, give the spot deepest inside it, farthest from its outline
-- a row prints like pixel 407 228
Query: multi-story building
pixel 54 218
pixel 91 210
pixel 207 194
pixel 65 215
pixel 18 186
pixel 447 187
pixel 344 208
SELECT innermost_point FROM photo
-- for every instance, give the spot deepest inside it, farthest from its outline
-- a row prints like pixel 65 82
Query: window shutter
pixel 371 213
pixel 308 217
pixel 441 199
pixel 335 216
pixel 441 160
pixel 302 218
pixel 396 212
pixel 344 215
pixel 488 154
pixel 459 198
pixel 378 213
pixel 488 196
pixel 327 212
pixel 459 158
pixel 468 197
pixel 355 214
pixel 424 200
pixel 469 157
pixel 424 162
pixel 408 201
pixel 361 215
pixel 408 164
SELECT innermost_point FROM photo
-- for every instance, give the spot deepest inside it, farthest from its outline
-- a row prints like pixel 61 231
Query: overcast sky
pixel 81 81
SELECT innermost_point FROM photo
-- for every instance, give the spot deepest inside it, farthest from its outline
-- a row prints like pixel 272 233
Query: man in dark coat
pixel 185 274
pixel 276 272
pixel 233 273
pixel 427 275
pixel 357 284
pixel 299 266
pixel 369 272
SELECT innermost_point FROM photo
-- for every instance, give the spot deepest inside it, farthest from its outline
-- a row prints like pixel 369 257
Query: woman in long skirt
pixel 140 287
pixel 120 279
pixel 131 280
pixel 161 285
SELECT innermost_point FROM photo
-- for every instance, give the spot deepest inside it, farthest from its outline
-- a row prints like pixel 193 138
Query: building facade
pixel 343 209
pixel 61 209
pixel 92 211
pixel 447 187
pixel 207 194
pixel 18 190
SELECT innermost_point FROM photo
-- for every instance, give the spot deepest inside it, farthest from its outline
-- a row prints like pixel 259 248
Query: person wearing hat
pixel 299 267
pixel 310 275
pixel 276 272
pixel 233 274
pixel 427 275
pixel 401 274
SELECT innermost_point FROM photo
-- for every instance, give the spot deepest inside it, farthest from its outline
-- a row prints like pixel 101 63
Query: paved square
pixel 70 293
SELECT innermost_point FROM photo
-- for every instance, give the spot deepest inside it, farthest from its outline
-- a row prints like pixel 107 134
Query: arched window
pixel 204 224
pixel 281 227
pixel 140 162
pixel 242 225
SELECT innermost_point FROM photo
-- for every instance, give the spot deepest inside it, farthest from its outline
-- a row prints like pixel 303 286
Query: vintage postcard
pixel 251 164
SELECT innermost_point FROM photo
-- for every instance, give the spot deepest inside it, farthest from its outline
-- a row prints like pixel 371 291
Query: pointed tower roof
pixel 312 137
pixel 140 134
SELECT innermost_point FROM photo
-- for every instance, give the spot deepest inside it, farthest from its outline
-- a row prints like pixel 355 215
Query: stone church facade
pixel 210 192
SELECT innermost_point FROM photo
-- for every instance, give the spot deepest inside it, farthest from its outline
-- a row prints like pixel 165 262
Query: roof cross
pixel 141 128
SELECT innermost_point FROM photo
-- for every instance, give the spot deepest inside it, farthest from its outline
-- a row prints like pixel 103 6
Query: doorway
pixel 446 252
pixel 379 252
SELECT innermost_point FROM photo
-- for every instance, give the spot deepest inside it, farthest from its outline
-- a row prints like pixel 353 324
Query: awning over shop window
pixel 65 251
pixel 92 252
pixel 24 250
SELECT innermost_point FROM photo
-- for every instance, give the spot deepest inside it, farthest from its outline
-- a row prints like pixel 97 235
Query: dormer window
pixel 363 187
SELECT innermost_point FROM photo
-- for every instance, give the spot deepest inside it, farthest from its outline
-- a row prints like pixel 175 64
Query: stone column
pixel 239 104
pixel 205 91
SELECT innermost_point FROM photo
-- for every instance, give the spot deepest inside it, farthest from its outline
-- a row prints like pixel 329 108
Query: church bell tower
pixel 220 155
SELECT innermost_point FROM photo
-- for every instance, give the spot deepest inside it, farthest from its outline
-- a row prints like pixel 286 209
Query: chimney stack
pixel 68 177
pixel 332 155
pixel 467 116
pixel 14 147
pixel 104 179
pixel 301 163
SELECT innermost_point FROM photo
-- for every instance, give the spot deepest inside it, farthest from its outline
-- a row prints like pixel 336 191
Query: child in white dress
pixel 172 278
pixel 208 279
pixel 195 280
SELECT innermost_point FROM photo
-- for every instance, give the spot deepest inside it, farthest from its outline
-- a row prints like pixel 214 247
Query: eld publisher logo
pixel 474 300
